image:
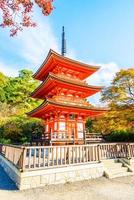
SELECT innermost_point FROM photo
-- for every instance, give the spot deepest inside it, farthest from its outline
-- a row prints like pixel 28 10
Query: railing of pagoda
pixel 76 80
pixel 72 100
pixel 61 135
pixel 43 157
pixel 93 137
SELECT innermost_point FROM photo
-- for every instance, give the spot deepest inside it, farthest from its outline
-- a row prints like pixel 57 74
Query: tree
pixel 15 101
pixel 3 83
pixel 120 99
pixel 89 125
pixel 19 90
pixel 15 94
pixel 20 129
pixel 121 91
pixel 16 13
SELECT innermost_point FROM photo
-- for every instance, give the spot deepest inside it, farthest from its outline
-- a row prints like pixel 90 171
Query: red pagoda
pixel 64 91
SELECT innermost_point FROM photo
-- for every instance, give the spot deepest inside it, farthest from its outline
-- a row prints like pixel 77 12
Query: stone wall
pixel 39 178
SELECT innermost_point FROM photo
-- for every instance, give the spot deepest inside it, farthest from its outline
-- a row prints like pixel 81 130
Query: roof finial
pixel 63 47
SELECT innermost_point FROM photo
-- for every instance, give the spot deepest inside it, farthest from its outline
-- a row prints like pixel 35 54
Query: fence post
pixel 84 132
pixel 98 152
pixel 22 165
pixel 128 151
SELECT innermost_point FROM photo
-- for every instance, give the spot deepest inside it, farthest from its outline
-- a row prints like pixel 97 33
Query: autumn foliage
pixel 120 99
pixel 16 14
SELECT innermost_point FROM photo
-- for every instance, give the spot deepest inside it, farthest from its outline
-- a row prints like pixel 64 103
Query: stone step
pixel 114 168
pixel 110 161
pixel 113 165
pixel 121 174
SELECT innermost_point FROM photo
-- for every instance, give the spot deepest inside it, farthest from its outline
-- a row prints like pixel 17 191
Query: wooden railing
pixel 93 138
pixel 43 157
pixel 13 153
pixel 63 135
pixel 57 156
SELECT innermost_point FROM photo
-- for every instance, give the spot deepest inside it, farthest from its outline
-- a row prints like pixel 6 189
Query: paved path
pixel 5 182
pixel 97 189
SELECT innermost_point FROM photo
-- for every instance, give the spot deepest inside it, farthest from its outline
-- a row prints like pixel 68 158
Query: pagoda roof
pixel 49 106
pixel 54 59
pixel 53 80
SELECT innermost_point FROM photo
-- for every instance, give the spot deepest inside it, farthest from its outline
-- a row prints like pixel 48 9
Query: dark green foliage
pixel 19 89
pixel 120 136
pixel 15 101
pixel 89 125
pixel 20 130
pixel 3 82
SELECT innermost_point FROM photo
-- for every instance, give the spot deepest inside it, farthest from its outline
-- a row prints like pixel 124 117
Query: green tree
pixel 18 91
pixel 20 129
pixel 89 125
pixel 15 101
pixel 120 99
pixel 3 82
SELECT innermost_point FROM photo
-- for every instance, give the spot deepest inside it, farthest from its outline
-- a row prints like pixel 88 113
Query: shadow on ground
pixel 5 182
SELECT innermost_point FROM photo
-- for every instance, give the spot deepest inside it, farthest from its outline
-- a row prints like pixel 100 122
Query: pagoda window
pixel 80 130
pixel 62 126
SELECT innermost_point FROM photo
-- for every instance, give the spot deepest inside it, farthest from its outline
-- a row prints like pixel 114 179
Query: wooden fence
pixel 43 157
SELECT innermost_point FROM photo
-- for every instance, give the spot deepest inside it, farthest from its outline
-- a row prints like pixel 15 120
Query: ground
pixel 96 189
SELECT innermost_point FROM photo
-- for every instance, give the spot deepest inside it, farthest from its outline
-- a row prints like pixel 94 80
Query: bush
pixel 89 125
pixel 5 141
pixel 20 130
pixel 120 136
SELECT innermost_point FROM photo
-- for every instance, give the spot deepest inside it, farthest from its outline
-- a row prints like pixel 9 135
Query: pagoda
pixel 64 91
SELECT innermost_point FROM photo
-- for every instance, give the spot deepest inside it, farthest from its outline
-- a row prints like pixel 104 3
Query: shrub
pixel 120 136
pixel 20 130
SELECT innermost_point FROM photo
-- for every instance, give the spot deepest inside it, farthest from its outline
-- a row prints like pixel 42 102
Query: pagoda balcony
pixel 59 136
pixel 71 100
pixel 63 137
pixel 72 79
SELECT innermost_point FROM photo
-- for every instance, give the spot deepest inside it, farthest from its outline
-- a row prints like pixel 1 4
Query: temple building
pixel 64 91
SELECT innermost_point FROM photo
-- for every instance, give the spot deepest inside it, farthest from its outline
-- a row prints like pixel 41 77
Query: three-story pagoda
pixel 64 91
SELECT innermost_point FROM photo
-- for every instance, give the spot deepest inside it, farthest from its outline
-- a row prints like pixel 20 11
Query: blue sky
pixel 99 32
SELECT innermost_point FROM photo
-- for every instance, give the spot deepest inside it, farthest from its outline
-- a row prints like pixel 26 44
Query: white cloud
pixel 102 77
pixel 105 74
pixel 9 71
pixel 35 43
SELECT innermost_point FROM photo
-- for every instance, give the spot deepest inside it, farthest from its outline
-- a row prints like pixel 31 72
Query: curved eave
pixel 88 89
pixel 54 57
pixel 48 105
